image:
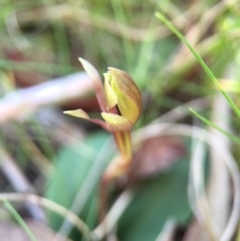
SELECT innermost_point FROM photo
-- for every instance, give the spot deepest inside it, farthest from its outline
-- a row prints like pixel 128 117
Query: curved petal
pixel 129 96
pixel 111 97
pixel 127 107
pixel 117 122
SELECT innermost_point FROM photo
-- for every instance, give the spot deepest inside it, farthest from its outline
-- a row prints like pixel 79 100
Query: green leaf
pixel 157 200
pixel 74 165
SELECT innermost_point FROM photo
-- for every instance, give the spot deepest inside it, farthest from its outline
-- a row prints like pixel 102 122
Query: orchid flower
pixel 121 105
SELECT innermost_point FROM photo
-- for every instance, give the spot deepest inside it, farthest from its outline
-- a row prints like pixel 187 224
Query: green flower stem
pixel 124 144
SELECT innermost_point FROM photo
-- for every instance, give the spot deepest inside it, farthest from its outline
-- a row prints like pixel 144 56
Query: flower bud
pixel 121 92
pixel 119 99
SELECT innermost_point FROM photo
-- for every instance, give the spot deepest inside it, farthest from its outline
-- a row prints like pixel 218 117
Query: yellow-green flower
pixel 119 99
pixel 121 105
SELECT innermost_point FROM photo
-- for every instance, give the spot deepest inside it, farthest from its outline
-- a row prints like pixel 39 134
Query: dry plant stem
pixel 198 195
pixel 74 219
pixel 219 191
pixel 113 215
pixel 180 129
pixel 182 111
pixel 44 165
pixel 21 102
pixel 196 32
pixel 19 183
pixel 68 13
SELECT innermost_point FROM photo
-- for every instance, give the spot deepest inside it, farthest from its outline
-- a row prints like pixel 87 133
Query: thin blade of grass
pixel 18 218
pixel 200 60
pixel 206 121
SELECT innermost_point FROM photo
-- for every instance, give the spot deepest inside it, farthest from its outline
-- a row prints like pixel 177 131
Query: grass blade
pixel 206 121
pixel 18 218
pixel 200 60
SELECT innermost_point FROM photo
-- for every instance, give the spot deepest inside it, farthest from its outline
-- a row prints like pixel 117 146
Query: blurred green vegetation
pixel 41 40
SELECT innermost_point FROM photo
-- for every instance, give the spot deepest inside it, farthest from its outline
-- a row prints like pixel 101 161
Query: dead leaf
pixel 155 155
